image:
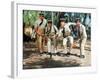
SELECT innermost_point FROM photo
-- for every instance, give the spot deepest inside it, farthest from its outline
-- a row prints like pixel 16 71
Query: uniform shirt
pixel 39 21
pixel 60 34
pixel 67 26
pixel 52 29
pixel 82 31
pixel 66 29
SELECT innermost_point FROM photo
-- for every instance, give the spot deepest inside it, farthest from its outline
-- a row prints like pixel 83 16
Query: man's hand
pixel 78 41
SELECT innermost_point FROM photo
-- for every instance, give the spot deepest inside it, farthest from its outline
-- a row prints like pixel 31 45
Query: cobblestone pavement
pixel 33 60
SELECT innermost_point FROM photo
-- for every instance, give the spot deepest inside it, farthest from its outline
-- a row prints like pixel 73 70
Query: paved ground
pixel 32 60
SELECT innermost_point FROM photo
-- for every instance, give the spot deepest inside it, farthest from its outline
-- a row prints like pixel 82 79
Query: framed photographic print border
pixel 17 44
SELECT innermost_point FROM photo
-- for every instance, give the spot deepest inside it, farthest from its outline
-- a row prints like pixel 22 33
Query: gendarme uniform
pixel 40 23
pixel 40 27
pixel 68 39
pixel 64 35
pixel 51 32
pixel 83 37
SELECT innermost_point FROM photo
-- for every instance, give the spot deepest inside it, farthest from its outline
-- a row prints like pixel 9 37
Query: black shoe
pixel 81 56
pixel 54 54
pixel 49 53
pixel 58 53
pixel 68 54
pixel 45 52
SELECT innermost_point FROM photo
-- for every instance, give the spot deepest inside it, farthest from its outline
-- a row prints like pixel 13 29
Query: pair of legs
pixel 51 45
pixel 68 42
pixel 82 45
pixel 40 43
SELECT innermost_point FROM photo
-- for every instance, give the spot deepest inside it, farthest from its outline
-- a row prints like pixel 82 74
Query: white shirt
pixel 67 29
pixel 83 31
pixel 53 29
pixel 39 21
pixel 60 32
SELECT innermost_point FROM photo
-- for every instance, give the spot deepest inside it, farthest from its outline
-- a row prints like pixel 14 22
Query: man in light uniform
pixel 82 36
pixel 40 25
pixel 51 33
pixel 66 33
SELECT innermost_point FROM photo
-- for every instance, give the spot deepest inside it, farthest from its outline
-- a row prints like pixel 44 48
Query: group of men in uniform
pixel 45 29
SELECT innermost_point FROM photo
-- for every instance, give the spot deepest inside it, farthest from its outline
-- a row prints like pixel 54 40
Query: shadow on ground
pixel 50 63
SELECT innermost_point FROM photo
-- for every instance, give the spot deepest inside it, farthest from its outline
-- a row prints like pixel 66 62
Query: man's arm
pixel 56 29
pixel 84 32
pixel 36 24
pixel 71 23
